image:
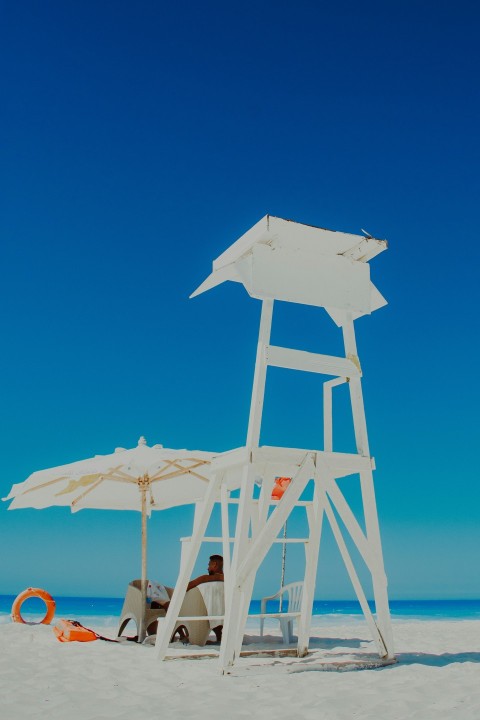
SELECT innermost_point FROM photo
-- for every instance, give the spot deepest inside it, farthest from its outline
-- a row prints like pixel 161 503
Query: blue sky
pixel 139 140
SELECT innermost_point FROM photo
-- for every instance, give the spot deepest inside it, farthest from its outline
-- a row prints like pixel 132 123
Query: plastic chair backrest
pixel 294 592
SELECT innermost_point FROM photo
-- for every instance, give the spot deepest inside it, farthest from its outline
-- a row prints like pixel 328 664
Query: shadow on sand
pixel 330 643
pixel 437 660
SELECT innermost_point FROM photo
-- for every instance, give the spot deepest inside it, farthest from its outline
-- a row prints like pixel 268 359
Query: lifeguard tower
pixel 283 260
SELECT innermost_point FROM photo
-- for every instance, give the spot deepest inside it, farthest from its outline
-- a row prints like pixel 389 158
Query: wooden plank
pixel 346 463
pixel 230 459
pixel 311 362
pixel 326 665
pixel 300 503
pixel 198 618
pixel 184 654
pixel 276 615
pixel 312 665
pixel 343 464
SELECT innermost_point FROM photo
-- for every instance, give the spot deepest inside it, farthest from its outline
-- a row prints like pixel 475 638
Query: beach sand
pixel 437 676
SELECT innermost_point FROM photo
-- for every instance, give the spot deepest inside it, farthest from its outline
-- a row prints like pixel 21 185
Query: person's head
pixel 215 564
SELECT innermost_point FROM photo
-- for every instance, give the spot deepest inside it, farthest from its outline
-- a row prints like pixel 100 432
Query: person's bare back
pixel 215 573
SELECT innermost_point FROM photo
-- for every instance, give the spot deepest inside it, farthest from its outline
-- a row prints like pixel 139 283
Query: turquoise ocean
pixel 104 612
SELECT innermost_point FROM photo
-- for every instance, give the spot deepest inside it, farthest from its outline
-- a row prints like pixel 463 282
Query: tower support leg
pixel 202 516
pixel 379 578
pixel 368 495
pixel 235 601
pixel 312 549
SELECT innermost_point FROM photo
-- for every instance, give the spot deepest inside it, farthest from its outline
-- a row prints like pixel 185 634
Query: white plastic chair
pixel 193 605
pixel 294 592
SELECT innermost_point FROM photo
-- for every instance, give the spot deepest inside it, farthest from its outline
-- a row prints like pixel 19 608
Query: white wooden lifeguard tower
pixel 289 261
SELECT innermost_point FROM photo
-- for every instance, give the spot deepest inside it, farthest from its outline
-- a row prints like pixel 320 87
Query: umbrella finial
pixel 142 441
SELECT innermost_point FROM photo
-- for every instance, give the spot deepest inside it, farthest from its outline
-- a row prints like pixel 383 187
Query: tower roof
pixel 290 261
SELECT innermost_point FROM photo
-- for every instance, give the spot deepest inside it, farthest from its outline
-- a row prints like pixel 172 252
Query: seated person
pixel 214 574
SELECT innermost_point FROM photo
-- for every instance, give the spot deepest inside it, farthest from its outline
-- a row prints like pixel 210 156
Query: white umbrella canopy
pixel 115 481
pixel 144 479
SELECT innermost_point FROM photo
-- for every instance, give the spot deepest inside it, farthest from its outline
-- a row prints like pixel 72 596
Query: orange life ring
pixel 33 592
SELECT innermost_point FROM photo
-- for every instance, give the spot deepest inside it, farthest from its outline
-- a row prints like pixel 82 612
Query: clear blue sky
pixel 139 140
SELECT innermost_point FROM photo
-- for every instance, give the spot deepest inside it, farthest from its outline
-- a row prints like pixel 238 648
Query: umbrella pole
pixel 142 629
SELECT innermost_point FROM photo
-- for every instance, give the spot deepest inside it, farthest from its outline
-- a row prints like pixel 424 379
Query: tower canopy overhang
pixel 285 260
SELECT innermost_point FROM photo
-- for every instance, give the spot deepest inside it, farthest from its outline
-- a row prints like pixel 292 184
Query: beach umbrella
pixel 143 478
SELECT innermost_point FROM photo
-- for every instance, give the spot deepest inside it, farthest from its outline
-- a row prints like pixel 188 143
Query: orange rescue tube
pixel 33 592
pixel 71 630
pixel 281 484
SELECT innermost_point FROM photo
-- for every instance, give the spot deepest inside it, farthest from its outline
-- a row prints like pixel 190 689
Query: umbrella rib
pixel 64 477
pixel 190 470
pixel 119 478
pixel 176 462
pixel 116 473
pixel 123 476
pixel 88 490
pixel 176 473
pixel 197 475
pixel 180 469
pixel 167 476
pixel 46 484
pixel 168 464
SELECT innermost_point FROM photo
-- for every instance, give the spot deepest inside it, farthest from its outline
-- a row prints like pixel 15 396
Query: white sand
pixel 438 677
